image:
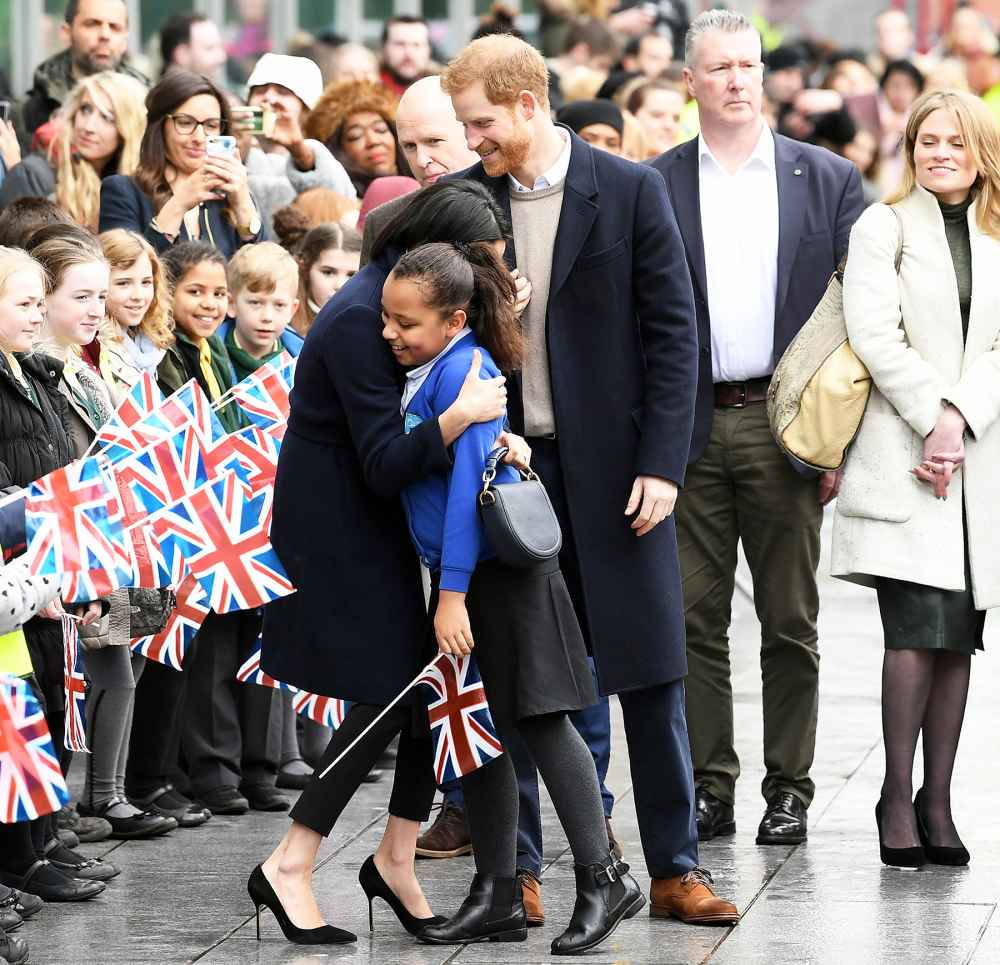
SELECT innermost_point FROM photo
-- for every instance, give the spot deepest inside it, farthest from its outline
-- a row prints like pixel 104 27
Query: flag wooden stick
pixel 366 731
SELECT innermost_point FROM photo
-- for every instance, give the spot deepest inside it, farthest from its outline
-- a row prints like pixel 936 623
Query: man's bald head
pixel 429 133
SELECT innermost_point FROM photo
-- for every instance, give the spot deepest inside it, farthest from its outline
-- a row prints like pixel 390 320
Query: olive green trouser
pixel 743 488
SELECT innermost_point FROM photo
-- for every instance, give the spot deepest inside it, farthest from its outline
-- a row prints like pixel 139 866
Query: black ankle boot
pixel 493 912
pixel 606 894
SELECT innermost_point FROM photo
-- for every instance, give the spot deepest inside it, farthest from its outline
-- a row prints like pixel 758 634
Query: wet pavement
pixel 830 901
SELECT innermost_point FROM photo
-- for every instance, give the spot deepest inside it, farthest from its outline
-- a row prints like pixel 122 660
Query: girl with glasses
pixel 183 189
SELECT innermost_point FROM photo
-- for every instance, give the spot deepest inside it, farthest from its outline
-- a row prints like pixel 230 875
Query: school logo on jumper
pixel 461 723
pixel 31 783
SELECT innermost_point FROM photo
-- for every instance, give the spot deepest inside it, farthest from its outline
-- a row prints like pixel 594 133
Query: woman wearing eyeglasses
pixel 181 189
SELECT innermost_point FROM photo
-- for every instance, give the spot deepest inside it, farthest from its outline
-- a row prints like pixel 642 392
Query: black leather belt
pixel 736 395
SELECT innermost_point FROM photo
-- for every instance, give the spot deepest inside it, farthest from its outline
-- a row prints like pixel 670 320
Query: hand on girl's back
pixel 451 625
pixel 484 399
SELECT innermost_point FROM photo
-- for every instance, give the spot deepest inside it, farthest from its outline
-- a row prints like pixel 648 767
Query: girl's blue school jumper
pixel 442 510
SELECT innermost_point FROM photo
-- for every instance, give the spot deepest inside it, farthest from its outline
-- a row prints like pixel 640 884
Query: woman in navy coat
pixel 357 628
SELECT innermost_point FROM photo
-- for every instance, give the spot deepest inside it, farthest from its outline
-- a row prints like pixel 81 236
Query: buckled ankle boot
pixel 493 912
pixel 606 894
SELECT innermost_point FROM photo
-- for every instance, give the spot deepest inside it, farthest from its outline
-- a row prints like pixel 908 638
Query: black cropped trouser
pixel 413 785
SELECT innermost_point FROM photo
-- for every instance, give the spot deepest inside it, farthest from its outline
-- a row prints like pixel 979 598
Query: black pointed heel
pixel 952 857
pixel 374 886
pixel 897 857
pixel 263 896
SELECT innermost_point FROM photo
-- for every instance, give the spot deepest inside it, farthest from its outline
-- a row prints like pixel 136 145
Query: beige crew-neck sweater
pixel 534 217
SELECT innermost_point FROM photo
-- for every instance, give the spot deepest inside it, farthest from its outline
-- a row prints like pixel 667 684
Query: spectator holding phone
pixel 282 163
pixel 190 182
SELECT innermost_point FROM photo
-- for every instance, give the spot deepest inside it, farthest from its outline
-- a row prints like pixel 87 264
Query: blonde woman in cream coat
pixel 918 516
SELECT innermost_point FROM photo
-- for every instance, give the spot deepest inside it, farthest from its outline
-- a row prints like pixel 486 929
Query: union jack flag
pixel 222 533
pixel 460 719
pixel 263 394
pixel 73 524
pixel 151 569
pixel 169 646
pixel 328 711
pixel 160 475
pixel 31 782
pixel 142 399
pixel 254 452
pixel 76 687
pixel 188 406
pixel 251 673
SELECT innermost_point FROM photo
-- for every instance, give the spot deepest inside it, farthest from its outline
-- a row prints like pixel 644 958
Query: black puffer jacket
pixel 34 438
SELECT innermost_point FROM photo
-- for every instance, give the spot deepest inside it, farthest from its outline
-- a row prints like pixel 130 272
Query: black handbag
pixel 518 517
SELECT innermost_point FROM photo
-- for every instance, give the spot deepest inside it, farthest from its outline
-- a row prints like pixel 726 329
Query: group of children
pixel 82 318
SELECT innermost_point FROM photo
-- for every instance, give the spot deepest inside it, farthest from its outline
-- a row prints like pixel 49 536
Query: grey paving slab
pixel 828 902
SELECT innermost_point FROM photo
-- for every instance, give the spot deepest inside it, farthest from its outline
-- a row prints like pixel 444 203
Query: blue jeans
pixel 594 726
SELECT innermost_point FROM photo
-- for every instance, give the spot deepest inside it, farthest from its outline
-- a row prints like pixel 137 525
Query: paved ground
pixel 829 902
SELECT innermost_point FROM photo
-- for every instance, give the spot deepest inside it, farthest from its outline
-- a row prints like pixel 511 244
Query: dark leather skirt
pixel 529 647
pixel 918 617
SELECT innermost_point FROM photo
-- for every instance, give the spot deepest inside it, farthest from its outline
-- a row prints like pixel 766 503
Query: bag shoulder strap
pixel 839 273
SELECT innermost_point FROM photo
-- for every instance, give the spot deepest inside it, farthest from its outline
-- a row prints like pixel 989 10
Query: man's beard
pixel 86 66
pixel 511 155
pixel 399 78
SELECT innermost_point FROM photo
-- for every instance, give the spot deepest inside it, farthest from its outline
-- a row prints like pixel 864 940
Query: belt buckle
pixel 742 404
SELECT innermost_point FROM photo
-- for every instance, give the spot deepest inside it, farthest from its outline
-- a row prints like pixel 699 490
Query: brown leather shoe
pixel 613 843
pixel 448 836
pixel 690 898
pixel 531 892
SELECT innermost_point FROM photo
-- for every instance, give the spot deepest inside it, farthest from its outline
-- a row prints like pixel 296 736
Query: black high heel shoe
pixel 897 857
pixel 263 896
pixel 374 886
pixel 953 857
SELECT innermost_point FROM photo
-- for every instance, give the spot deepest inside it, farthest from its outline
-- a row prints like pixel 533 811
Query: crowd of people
pixel 591 255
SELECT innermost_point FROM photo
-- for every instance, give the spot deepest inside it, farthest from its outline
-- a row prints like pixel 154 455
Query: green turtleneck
pixel 242 360
pixel 956 227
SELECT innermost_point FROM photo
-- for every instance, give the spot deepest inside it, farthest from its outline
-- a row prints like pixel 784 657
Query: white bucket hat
pixel 299 74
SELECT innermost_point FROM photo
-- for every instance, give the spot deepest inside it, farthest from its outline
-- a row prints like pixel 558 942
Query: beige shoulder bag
pixel 820 388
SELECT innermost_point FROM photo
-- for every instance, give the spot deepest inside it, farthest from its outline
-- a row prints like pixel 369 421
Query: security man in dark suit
pixel 765 220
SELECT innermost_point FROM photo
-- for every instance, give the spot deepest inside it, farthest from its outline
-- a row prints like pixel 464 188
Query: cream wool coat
pixel 908 332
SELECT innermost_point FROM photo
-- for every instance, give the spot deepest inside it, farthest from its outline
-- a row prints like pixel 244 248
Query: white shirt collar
pixel 416 377
pixel 555 174
pixel 763 151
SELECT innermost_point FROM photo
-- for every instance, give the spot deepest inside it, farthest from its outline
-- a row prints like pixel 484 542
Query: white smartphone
pixel 220 145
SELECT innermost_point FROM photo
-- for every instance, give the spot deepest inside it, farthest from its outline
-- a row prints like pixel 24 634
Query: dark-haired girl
pixel 180 191
pixel 196 275
pixel 441 303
